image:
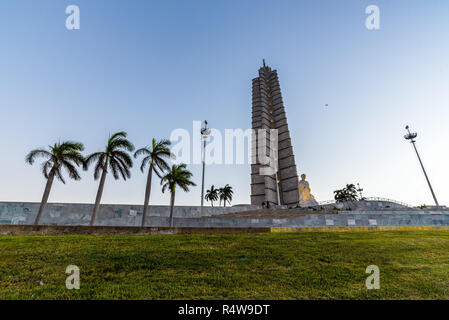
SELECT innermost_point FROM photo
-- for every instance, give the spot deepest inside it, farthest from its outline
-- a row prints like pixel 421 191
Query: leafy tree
pixel 116 158
pixel 154 155
pixel 178 175
pixel 339 195
pixel 351 192
pixel 226 194
pixel 212 195
pixel 61 155
pixel 348 193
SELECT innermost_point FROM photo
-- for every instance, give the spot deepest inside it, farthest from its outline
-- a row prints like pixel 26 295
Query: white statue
pixel 306 199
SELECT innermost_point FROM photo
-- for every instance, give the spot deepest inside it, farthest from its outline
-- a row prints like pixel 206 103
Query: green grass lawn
pixel 413 265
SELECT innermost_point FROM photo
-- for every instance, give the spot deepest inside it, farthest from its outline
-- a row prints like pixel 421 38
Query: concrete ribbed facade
pixel 280 188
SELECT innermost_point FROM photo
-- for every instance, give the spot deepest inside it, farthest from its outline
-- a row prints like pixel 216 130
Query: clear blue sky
pixel 149 67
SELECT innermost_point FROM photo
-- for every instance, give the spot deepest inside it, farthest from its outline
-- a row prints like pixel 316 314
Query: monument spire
pixel 269 122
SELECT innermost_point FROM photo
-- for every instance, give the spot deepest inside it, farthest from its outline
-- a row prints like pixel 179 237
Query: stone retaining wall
pixel 119 215
pixel 344 219
pixel 190 217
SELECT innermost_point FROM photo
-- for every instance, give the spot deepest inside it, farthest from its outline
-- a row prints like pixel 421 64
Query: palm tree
pixel 61 155
pixel 212 195
pixel 226 194
pixel 155 156
pixel 116 158
pixel 178 175
pixel 351 192
pixel 340 195
pixel 348 193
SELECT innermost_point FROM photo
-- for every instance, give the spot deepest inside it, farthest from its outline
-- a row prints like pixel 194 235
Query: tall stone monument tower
pixel 280 187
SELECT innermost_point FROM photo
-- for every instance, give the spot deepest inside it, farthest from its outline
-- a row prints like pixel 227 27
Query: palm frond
pixel 66 154
pixel 120 134
pixel 144 162
pixel 45 166
pixel 70 168
pixel 161 164
pixel 120 144
pixel 59 175
pixel 159 174
pixel 100 166
pixel 177 176
pixel 124 157
pixel 37 153
pixel 75 157
pixel 71 146
pixel 142 151
pixel 92 158
pixel 114 167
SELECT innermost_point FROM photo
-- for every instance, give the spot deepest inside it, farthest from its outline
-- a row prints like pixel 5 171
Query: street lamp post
pixel 205 132
pixel 411 136
pixel 360 190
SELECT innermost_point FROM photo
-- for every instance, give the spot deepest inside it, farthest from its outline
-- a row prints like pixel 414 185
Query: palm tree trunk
pixel 99 194
pixel 50 179
pixel 147 194
pixel 172 204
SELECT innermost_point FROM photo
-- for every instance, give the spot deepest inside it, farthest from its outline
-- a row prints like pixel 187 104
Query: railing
pixel 370 199
pixel 389 200
pixel 321 203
